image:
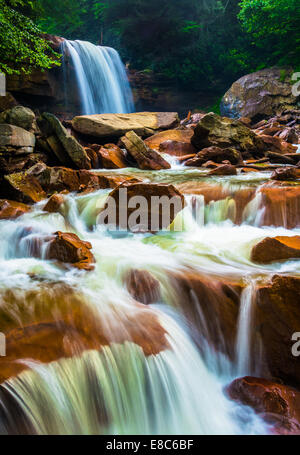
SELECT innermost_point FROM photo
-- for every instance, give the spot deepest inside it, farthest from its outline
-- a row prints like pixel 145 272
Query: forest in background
pixel 197 43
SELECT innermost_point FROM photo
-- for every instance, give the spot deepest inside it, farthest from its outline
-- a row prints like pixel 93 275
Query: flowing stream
pixel 120 389
pixel 101 79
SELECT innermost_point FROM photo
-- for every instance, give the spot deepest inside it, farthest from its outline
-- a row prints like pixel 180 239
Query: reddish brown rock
pixel 56 321
pixel 145 157
pixel 277 145
pixel 12 209
pixel 277 319
pixel 54 203
pixel 276 403
pixel 215 154
pixel 143 287
pixel 226 169
pixel 68 248
pixel 176 148
pixel 273 249
pixel 289 135
pixel 152 217
pixel 284 174
pixel 282 205
pixel 182 136
pixel 22 187
pixel 112 157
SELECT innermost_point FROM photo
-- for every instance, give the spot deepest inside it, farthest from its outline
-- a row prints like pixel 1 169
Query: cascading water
pixel 119 389
pixel 100 75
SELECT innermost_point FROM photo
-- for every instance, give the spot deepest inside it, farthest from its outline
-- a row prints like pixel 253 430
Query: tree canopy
pixel 199 42
pixel 22 47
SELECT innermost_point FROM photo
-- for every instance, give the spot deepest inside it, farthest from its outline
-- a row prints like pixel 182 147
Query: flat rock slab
pixel 116 125
pixel 14 136
pixel 276 249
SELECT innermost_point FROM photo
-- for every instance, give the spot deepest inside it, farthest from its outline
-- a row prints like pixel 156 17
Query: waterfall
pixel 100 77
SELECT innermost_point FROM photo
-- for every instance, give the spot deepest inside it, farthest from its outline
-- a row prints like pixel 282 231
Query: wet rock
pixel 277 145
pixel 263 93
pixel 289 135
pixel 54 203
pixel 146 158
pixel 153 214
pixel 272 249
pixel 213 130
pixel 16 140
pixel 68 248
pixel 57 321
pixel 22 187
pixel 276 403
pixel 11 164
pixel 70 147
pixel 143 287
pixel 176 148
pixel 182 136
pixel 12 209
pixel 112 157
pixel 281 204
pixel 277 319
pixel 116 125
pixel 215 154
pixel 225 169
pixel 19 116
pixel 278 158
pixel 286 173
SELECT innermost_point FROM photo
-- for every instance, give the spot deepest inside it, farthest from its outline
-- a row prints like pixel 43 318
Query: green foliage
pixel 21 46
pixel 274 25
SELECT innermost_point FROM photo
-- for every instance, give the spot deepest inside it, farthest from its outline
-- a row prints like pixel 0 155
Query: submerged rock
pixel 68 248
pixel 146 158
pixel 224 169
pixel 54 203
pixel 278 404
pixel 116 125
pixel 263 93
pixel 272 249
pixel 143 287
pixel 286 173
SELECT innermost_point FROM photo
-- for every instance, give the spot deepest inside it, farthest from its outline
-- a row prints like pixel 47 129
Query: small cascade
pixel 244 340
pixel 100 77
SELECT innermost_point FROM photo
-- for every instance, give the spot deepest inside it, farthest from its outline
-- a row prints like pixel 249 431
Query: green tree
pixel 22 47
pixel 275 28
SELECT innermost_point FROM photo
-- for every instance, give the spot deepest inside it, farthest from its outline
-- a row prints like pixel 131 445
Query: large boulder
pixel 7 102
pixel 273 249
pixel 16 140
pixel 278 404
pixel 19 116
pixel 142 207
pixel 68 248
pixel 146 158
pixel 116 125
pixel 68 144
pixel 264 93
pixel 213 130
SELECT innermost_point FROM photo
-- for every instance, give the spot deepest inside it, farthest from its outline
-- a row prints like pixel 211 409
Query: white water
pixel 101 78
pixel 177 391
